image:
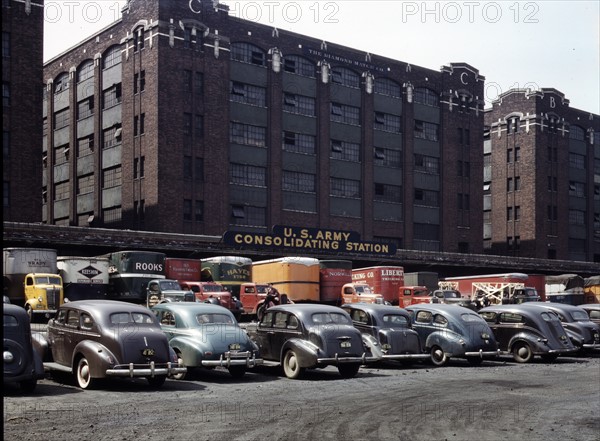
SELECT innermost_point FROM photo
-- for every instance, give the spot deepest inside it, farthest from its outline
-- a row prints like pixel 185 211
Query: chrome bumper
pixel 337 359
pixel 131 370
pixel 234 359
pixel 483 354
pixel 405 356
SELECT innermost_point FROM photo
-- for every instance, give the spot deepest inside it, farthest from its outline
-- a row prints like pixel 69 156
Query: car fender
pixel 373 345
pixel 191 349
pixel 307 352
pixel 98 356
pixel 41 346
pixel 575 336
pixel 447 340
pixel 530 338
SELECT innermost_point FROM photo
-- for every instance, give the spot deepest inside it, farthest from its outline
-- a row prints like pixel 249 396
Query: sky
pixel 514 44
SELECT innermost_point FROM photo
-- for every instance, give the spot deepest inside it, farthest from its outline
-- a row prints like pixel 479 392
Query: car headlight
pixel 8 357
pixel 485 336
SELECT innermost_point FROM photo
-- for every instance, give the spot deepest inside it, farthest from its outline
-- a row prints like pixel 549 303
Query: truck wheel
pixel 438 356
pixel 84 376
pixel 291 367
pixel 348 370
pixel 522 352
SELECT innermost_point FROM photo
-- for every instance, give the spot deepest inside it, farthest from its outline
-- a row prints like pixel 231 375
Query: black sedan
pixel 584 333
pixel 527 330
pixel 391 327
pixel 93 339
pixel 301 336
pixel 22 365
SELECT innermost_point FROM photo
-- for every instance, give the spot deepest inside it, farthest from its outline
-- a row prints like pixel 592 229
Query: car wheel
pixel 348 370
pixel 28 386
pixel 84 376
pixel 522 352
pixel 475 361
pixel 237 371
pixel 438 356
pixel 291 367
pixel 156 382
pixel 180 376
pixel 549 358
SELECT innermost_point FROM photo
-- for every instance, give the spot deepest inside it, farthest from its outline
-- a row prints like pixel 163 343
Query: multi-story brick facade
pixel 22 68
pixel 541 177
pixel 194 121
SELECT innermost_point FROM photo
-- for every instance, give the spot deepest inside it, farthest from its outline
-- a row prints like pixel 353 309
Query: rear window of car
pixel 580 316
pixel 488 316
pixel 509 317
pixel 424 317
pixel 330 317
pixel 130 317
pixel 395 319
pixel 549 316
pixel 10 321
pixel 471 318
pixel 206 318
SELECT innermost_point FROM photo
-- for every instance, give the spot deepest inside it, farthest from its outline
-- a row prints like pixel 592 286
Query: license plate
pixel 148 352
pixel 345 344
pixel 234 347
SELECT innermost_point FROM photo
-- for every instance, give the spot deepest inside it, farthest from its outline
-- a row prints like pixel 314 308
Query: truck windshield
pixel 363 289
pixel 170 285
pixel 213 288
pixel 49 280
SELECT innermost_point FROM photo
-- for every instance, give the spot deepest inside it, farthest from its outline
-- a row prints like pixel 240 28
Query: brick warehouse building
pixel 22 77
pixel 198 122
pixel 541 177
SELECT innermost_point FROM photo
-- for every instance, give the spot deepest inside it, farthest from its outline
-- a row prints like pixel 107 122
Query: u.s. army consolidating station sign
pixel 314 240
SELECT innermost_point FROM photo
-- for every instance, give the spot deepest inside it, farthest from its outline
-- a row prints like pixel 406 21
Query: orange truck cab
pixel 252 295
pixel 360 292
pixel 412 295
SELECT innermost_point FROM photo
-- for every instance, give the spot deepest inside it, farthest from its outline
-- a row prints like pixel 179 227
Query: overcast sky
pixel 528 44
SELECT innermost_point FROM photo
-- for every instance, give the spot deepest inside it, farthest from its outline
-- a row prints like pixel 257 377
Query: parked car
pixel 22 364
pixel 204 335
pixel 93 339
pixel 448 331
pixel 584 333
pixel 527 330
pixel 304 336
pixel 593 311
pixel 452 297
pixel 392 328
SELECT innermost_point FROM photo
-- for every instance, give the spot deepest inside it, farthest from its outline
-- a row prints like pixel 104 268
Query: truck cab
pixel 167 290
pixel 43 293
pixel 214 292
pixel 412 295
pixel 360 293
pixel 252 295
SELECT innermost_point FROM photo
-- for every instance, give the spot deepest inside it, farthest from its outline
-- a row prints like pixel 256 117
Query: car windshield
pixel 580 316
pixel 330 317
pixel 171 284
pixel 208 318
pixel 118 318
pixel 213 288
pixel 471 318
pixel 395 319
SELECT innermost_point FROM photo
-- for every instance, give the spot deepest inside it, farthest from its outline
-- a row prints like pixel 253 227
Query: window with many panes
pixel 576 132
pixel 86 70
pixel 577 161
pixel 298 142
pixel 345 77
pixel 111 136
pixel 248 53
pixel 61 119
pixel 61 191
pixel 428 198
pixel 344 188
pixel 298 181
pixel 576 189
pixel 426 130
pixel 248 215
pixel 244 174
pixel 85 184
pixel 387 122
pixel 387 193
pixel 139 81
pixel 345 114
pixel 427 164
pixel 111 177
pixel 85 146
pixel 248 94
pixel 345 150
pixel 299 66
pixel 112 57
pixel 422 95
pixel 385 86
pixel 247 134
pixel 299 104
pixel 111 96
pixel 387 157
pixel 61 83
pixel 85 108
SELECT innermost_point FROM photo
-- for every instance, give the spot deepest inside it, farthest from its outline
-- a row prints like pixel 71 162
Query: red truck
pixel 385 280
pixel 188 272
pixel 333 275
